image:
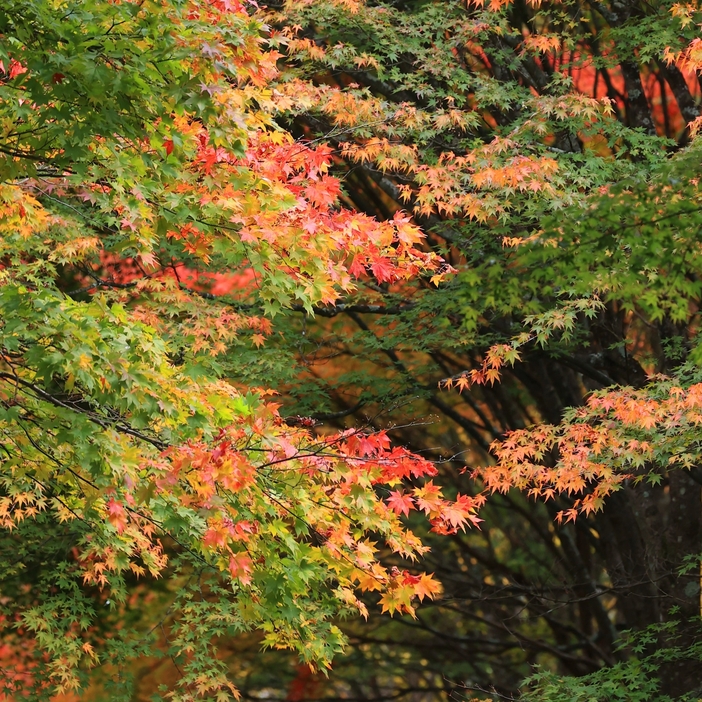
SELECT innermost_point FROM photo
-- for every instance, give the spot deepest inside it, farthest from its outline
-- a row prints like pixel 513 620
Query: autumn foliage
pixel 123 436
pixel 189 187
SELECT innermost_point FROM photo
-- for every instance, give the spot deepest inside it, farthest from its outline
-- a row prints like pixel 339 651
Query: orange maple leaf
pixel 427 587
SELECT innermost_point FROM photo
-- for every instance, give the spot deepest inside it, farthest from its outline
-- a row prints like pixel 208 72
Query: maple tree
pixel 141 167
pixel 172 247
pixel 548 150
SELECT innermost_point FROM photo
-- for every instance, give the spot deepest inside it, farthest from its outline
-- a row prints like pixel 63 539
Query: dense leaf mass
pixel 141 167
pixel 460 242
pixel 548 149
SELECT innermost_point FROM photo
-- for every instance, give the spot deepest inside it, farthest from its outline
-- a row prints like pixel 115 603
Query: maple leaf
pixel 369 581
pixel 456 515
pixel 16 69
pixel 398 599
pixel 400 503
pixel 357 267
pixel 89 650
pixel 406 232
pixel 323 192
pixel 116 515
pixel 383 269
pixel 240 567
pixel 426 586
pixel 215 537
pixel 429 498
pixel 462 383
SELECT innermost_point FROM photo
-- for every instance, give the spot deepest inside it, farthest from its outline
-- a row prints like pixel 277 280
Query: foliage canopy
pixel 204 202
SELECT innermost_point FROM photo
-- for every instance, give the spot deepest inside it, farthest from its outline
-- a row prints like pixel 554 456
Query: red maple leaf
pixel 400 503
pixel 116 515
pixel 240 567
pixel 383 269
pixel 323 192
pixel 357 268
pixel 16 69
